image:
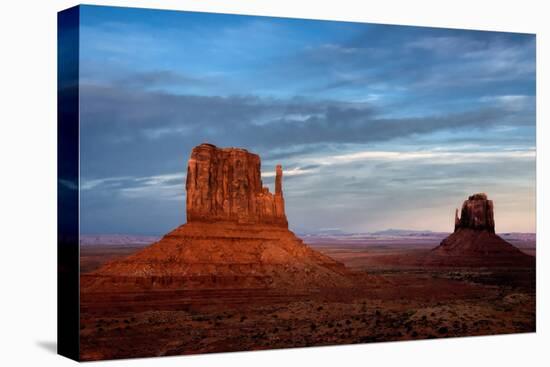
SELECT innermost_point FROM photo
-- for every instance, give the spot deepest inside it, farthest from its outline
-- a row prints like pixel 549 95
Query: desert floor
pixel 395 300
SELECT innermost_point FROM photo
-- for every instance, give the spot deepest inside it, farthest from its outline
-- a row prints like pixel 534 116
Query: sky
pixel 376 126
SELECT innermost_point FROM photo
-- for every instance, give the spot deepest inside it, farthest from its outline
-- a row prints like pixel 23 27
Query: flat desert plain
pixel 396 298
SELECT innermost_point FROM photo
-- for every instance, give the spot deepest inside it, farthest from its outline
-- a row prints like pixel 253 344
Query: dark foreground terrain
pixel 396 299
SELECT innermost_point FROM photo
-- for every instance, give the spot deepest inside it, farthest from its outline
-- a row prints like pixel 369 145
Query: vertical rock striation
pixel 226 185
pixel 476 213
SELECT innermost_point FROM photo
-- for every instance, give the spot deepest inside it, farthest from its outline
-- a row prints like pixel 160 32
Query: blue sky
pixel 376 126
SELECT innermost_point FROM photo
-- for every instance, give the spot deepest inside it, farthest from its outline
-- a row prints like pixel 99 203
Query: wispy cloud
pixel 434 156
pixel 295 171
pixel 108 181
pixel 166 186
pixel 513 103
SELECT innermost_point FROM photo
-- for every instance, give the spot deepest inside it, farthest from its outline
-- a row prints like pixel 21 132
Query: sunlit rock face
pixel 224 184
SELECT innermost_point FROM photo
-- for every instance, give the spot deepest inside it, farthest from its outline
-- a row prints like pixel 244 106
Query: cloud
pixel 434 156
pixel 166 186
pixel 512 102
pixel 156 78
pixel 369 191
pixel 371 122
pixel 447 45
pixel 295 171
pixel 103 182
pixel 421 61
pixel 129 133
pixel 140 114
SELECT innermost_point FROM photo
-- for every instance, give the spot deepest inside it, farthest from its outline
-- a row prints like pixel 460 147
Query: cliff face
pixel 476 213
pixel 226 185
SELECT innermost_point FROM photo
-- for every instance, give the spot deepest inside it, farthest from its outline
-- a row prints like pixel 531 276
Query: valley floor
pixel 391 303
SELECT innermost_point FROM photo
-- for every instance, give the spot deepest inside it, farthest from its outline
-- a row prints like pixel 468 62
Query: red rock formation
pixel 236 236
pixel 202 255
pixel 477 213
pixel 474 242
pixel 226 185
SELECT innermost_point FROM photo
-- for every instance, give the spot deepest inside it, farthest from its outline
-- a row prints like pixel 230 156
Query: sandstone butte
pixel 236 236
pixel 474 242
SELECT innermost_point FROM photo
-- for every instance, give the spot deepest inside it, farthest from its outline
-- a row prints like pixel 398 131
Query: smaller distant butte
pixel 474 242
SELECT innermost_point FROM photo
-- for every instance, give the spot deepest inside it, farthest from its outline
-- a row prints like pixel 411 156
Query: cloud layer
pixel 376 126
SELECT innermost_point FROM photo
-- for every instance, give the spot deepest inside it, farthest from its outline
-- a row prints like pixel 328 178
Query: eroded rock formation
pixel 226 185
pixel 474 242
pixel 476 213
pixel 236 236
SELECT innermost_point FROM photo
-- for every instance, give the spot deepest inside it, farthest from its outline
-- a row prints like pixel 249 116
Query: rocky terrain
pixel 393 304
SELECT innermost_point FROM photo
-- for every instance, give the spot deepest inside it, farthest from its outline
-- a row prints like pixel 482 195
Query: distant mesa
pixel 474 241
pixel 236 236
pixel 116 240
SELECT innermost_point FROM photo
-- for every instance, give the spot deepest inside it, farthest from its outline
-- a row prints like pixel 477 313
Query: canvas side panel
pixel 68 183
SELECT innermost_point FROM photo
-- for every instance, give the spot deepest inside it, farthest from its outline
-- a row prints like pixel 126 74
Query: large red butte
pixel 236 236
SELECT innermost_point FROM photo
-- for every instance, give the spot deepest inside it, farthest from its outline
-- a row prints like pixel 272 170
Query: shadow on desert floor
pixel 48 345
